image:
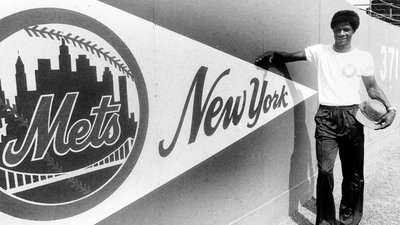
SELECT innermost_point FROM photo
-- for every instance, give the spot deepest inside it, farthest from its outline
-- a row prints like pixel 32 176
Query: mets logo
pixel 73 113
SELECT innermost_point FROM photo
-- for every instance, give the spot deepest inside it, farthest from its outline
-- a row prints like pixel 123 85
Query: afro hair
pixel 346 16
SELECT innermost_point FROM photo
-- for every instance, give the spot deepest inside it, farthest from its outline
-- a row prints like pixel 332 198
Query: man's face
pixel 342 33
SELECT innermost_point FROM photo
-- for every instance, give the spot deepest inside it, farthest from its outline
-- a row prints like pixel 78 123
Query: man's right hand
pixel 265 60
pixel 275 57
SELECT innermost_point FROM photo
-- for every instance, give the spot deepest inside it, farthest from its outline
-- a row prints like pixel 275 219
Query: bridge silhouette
pixel 16 181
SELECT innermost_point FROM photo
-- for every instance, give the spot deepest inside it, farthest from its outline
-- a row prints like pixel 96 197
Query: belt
pixel 338 106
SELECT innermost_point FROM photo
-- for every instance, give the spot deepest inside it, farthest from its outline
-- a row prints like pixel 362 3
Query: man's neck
pixel 342 49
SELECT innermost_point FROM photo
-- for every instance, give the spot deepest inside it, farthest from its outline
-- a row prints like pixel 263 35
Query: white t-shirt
pixel 339 74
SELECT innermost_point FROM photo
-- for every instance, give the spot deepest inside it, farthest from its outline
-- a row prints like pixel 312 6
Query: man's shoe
pixel 346 218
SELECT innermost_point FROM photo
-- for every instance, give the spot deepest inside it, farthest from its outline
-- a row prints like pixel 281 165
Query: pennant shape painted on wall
pixel 99 105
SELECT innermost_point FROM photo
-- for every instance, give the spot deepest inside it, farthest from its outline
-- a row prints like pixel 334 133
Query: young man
pixel 341 67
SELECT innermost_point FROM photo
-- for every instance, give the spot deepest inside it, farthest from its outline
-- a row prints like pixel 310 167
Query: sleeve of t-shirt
pixel 369 69
pixel 312 53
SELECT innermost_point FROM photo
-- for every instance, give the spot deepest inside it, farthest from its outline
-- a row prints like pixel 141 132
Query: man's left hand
pixel 386 120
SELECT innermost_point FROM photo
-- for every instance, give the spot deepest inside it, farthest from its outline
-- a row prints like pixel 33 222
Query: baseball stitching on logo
pixel 36 31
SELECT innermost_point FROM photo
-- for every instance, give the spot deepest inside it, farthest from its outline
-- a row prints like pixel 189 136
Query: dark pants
pixel 337 130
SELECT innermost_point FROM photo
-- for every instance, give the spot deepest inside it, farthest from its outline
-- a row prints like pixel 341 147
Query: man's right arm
pixel 279 57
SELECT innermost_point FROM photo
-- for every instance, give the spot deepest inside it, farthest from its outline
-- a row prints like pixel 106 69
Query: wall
pixel 264 176
pixel 242 176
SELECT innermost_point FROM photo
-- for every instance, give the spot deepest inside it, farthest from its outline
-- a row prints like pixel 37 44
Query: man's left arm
pixel 375 92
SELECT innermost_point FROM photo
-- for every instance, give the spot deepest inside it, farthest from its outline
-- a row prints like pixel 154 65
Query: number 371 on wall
pixel 390 63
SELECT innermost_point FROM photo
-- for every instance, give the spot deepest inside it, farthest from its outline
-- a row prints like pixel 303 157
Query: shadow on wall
pixel 301 163
pixel 298 218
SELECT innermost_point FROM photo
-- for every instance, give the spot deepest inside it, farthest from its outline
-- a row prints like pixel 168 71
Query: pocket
pixel 322 116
